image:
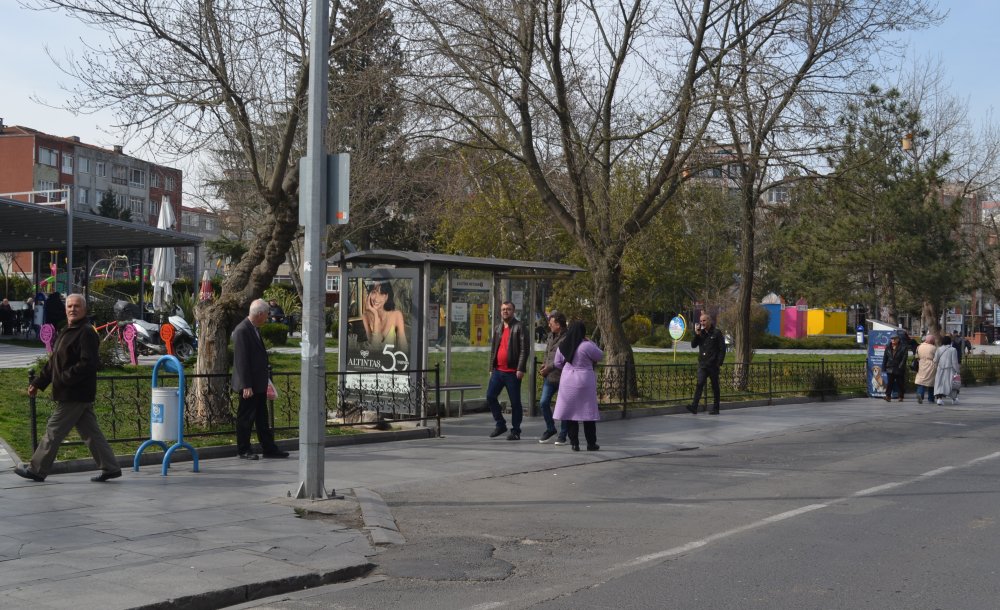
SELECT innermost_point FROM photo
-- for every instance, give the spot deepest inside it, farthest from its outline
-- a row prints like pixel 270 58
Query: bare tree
pixel 197 75
pixel 775 90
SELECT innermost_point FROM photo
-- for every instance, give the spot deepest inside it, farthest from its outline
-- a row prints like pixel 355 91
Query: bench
pixel 455 387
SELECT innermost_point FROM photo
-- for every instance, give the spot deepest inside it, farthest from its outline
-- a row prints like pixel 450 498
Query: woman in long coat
pixel 925 374
pixel 946 359
pixel 577 398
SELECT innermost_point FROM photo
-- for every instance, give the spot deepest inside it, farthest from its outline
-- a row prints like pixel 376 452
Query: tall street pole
pixel 312 215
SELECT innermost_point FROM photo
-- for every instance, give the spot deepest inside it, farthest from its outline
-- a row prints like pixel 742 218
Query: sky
pixel 964 44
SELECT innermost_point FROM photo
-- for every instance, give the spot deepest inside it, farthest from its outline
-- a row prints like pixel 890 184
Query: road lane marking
pixel 696 544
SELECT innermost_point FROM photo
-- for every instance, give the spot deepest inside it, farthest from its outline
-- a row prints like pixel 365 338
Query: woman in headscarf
pixel 946 359
pixel 927 369
pixel 577 398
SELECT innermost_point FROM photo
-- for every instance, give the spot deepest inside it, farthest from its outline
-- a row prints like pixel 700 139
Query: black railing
pixel 351 398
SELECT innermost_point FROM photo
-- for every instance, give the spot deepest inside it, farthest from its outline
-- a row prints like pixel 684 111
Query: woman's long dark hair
pixel 384 286
pixel 574 337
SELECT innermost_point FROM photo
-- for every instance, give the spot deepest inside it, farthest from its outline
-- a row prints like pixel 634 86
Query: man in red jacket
pixel 72 371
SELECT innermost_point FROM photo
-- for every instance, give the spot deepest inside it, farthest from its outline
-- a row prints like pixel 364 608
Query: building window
pixel 81 196
pixel 119 174
pixel 83 163
pixel 137 177
pixel 47 186
pixel 67 164
pixel 98 197
pixel 135 205
pixel 209 224
pixel 154 180
pixel 121 201
pixel 332 283
pixel 47 156
pixel 102 169
pixel 170 183
pixel 154 207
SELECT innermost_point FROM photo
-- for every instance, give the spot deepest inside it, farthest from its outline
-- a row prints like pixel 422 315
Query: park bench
pixel 455 387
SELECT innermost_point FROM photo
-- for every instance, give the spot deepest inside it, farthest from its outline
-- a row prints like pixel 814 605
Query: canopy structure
pixel 29 227
pixel 502 266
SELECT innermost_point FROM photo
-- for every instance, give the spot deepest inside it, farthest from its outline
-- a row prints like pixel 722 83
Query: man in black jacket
pixel 250 379
pixel 72 371
pixel 508 361
pixel 712 352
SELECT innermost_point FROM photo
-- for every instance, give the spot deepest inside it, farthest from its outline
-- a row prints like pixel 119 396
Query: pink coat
pixel 577 397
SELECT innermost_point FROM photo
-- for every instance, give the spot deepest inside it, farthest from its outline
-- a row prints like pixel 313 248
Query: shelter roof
pixel 454 261
pixel 31 227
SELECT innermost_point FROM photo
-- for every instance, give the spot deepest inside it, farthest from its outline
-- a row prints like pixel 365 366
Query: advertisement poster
pixel 877 340
pixel 379 333
pixel 479 324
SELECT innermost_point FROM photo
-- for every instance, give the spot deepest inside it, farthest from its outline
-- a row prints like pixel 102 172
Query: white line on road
pixel 690 546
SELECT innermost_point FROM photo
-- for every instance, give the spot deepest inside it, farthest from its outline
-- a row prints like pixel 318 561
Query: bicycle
pixel 118 333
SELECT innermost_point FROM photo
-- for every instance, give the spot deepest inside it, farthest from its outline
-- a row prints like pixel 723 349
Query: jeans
pixel 545 404
pixel 895 381
pixel 704 374
pixel 498 381
pixel 925 390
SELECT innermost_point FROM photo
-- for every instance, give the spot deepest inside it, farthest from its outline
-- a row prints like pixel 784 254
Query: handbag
pixel 956 381
pixel 272 392
pixel 915 365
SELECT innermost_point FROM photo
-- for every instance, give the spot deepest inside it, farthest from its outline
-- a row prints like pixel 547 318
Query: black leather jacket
pixel 894 360
pixel 517 348
pixel 713 348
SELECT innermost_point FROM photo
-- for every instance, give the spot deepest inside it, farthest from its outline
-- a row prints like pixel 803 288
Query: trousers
pixel 65 417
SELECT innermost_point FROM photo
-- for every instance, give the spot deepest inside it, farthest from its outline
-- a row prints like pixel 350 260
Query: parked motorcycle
pixel 147 334
pixel 148 340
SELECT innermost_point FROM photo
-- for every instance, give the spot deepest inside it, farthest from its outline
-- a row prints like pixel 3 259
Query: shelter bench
pixel 455 387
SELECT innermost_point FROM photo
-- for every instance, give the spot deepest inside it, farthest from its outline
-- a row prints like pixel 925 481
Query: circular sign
pixel 677 327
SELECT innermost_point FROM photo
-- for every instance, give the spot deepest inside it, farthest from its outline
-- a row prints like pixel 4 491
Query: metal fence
pixel 351 398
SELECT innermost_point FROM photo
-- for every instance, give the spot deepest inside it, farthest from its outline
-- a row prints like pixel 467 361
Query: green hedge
pixel 274 333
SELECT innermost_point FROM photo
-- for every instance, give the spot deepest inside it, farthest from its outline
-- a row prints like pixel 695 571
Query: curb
pixel 247 593
pixel 155 458
pixel 378 518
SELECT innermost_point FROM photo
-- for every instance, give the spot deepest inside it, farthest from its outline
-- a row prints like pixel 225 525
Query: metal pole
pixel 312 215
pixel 34 412
pixel 69 243
pixel 530 315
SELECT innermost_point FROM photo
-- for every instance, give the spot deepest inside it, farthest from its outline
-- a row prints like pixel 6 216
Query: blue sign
pixel 156 413
pixel 876 379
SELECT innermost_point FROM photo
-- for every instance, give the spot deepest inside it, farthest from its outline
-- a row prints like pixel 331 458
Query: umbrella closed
pixel 163 270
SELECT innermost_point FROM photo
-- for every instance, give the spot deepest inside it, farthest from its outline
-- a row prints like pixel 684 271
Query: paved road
pixel 900 510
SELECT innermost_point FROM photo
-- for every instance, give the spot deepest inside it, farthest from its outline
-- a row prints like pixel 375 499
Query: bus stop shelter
pixel 410 278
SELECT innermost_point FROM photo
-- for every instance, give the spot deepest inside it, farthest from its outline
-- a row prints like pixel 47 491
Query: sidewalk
pixel 231 534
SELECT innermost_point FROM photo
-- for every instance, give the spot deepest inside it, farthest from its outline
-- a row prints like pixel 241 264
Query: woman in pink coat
pixel 577 399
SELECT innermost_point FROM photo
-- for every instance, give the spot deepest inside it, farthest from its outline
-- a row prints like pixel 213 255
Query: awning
pixel 28 227
pixel 536 269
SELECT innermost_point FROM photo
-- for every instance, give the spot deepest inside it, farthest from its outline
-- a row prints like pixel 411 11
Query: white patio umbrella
pixel 163 270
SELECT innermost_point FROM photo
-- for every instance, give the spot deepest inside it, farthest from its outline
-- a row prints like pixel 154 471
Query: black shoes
pixel 514 436
pixel 547 436
pixel 22 471
pixel 276 454
pixel 593 447
pixel 575 447
pixel 249 456
pixel 104 477
pixel 693 409
pixel 498 431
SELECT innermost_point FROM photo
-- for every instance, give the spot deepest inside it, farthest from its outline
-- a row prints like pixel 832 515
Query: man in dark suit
pixel 250 379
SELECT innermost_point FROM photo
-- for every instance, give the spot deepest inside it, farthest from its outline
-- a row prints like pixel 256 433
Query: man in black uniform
pixel 712 352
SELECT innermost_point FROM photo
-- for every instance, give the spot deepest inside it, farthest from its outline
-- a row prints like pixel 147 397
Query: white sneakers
pixel 940 402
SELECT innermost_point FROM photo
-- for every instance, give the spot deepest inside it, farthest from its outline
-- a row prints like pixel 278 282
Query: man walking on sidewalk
pixel 249 381
pixel 712 351
pixel 508 360
pixel 72 371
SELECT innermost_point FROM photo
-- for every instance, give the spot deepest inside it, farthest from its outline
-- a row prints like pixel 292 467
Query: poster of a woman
pixel 383 321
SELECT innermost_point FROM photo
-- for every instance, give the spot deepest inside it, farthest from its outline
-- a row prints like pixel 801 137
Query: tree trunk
pixel 929 316
pixel 211 400
pixel 618 355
